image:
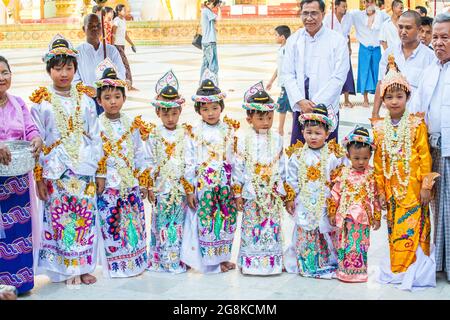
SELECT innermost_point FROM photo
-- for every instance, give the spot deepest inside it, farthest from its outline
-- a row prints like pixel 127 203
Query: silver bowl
pixel 22 160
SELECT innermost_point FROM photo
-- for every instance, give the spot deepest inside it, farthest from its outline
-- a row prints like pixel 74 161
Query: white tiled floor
pixel 240 67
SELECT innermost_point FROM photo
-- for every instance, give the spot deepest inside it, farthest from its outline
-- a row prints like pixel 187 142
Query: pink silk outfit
pixel 354 224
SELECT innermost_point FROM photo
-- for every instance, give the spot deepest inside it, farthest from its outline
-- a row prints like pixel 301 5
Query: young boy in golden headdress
pixel 402 164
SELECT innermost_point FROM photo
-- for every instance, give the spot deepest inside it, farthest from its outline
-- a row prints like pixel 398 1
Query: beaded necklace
pixel 70 126
pixel 396 148
pixel 114 150
pixel 306 196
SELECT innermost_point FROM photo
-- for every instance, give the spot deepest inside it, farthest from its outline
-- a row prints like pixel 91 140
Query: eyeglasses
pixel 312 14
pixel 5 74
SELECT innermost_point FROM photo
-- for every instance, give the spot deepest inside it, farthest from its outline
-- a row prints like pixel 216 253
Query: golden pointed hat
pixel 393 78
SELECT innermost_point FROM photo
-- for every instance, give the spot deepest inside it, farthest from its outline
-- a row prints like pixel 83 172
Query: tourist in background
pixel 342 23
pixel 389 30
pixel 209 37
pixel 120 37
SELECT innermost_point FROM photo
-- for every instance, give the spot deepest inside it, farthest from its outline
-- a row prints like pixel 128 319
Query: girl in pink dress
pixel 354 207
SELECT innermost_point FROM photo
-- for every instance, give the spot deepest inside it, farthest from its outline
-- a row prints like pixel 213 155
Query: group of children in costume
pixel 95 172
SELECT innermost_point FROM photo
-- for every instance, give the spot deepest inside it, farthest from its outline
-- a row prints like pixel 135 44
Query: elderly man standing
pixel 91 53
pixel 315 65
pixel 411 56
pixel 433 98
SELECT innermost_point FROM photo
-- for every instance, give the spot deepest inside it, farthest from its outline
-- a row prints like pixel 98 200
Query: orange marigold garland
pixel 293 148
pixel 290 193
pixel 38 172
pixel 144 128
pixel 188 188
pixel 81 88
pixel 40 95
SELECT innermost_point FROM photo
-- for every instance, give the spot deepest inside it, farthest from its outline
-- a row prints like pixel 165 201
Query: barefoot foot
pixel 74 281
pixel 227 265
pixel 348 104
pixel 88 278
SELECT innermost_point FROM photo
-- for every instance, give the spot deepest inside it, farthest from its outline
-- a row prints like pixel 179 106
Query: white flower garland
pixel 397 145
pixel 264 190
pixel 128 180
pixel 305 193
pixel 166 168
pixel 70 126
pixel 348 197
pixel 214 150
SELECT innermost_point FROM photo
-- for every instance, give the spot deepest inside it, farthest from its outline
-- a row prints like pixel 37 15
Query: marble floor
pixel 240 67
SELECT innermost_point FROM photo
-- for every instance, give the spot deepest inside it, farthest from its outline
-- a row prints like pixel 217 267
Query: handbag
pixel 197 41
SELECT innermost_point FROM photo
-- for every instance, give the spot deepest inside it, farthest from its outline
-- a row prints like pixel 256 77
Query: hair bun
pixel 109 73
pixel 260 97
pixel 320 109
pixel 208 85
pixel 60 43
pixel 361 131
pixel 169 92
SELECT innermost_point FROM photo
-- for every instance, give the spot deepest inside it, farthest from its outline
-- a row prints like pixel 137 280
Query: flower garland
pixel 305 194
pixel 165 151
pixel 215 152
pixel 114 149
pixel 70 127
pixel 397 145
pixel 263 178
pixel 352 193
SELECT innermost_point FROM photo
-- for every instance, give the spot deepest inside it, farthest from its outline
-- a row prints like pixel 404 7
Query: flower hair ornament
pixel 322 114
pixel 167 88
pixel 393 78
pixel 256 98
pixel 59 46
pixel 209 83
pixel 358 134
pixel 106 73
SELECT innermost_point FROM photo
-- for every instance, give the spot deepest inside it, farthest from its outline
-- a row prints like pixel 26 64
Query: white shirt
pixel 365 35
pixel 89 145
pixel 121 31
pixel 389 33
pixel 433 98
pixel 88 59
pixel 323 59
pixel 435 115
pixel 343 26
pixel 412 68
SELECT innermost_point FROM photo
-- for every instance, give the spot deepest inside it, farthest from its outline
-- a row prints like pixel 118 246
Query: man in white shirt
pixel 91 53
pixel 433 98
pixel 315 65
pixel 389 32
pixel 426 29
pixel 342 23
pixel 411 56
pixel 367 24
